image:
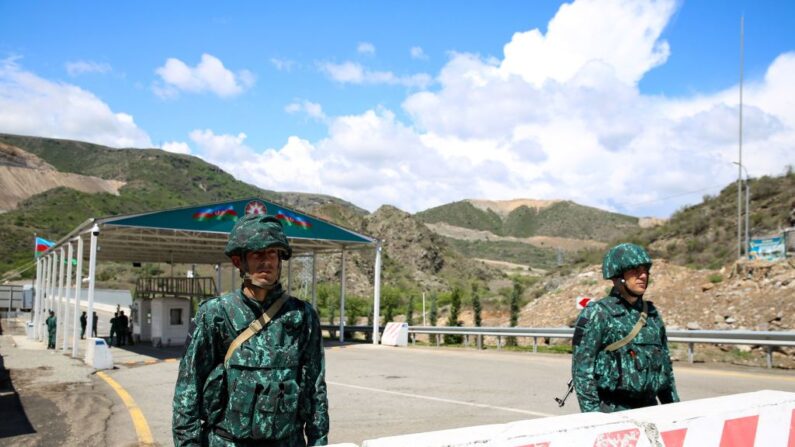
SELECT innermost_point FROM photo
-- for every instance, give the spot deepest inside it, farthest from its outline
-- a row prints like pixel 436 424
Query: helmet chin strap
pixel 247 279
pixel 626 289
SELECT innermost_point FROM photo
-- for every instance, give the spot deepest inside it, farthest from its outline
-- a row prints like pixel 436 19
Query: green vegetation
pixel 463 214
pixel 515 252
pixel 563 219
pixel 705 235
pixel 715 278
pixel 476 309
pixel 452 319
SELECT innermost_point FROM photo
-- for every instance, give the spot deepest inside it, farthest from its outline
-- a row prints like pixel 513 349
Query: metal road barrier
pixel 767 339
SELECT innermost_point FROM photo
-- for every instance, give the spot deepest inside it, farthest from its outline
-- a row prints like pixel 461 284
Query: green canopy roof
pixel 198 234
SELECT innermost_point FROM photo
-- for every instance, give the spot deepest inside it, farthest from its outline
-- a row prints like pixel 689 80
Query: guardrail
pixel 754 338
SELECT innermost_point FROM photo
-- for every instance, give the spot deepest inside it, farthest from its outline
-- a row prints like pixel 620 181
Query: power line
pixel 687 193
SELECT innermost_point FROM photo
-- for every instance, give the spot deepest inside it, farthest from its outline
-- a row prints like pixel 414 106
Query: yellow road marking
pixel 138 419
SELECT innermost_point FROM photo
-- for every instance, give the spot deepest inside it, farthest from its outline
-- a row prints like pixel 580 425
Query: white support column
pixel 92 270
pixel 342 299
pixel 45 294
pixel 78 283
pixel 290 276
pixel 67 292
pixel 59 328
pixel 50 288
pixel 37 299
pixel 218 279
pixel 314 281
pixel 377 294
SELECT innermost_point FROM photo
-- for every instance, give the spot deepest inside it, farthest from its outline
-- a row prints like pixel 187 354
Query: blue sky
pixel 625 105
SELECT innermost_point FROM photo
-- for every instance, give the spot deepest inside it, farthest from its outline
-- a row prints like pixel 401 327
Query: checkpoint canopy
pixel 198 235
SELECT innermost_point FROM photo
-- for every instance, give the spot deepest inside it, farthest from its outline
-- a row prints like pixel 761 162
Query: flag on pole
pixel 42 245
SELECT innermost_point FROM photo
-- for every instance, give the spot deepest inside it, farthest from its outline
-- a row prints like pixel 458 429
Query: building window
pixel 176 317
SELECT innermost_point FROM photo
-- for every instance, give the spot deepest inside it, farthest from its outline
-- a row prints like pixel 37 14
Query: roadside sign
pixel 581 302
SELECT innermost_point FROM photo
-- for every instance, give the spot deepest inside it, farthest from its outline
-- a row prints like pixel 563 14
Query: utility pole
pixel 740 163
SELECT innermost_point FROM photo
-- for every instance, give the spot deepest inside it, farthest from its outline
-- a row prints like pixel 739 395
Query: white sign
pixel 395 334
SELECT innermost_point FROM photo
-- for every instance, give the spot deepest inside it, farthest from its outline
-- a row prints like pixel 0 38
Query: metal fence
pixel 753 338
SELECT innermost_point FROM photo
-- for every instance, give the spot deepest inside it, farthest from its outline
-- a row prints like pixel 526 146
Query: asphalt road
pixel 381 391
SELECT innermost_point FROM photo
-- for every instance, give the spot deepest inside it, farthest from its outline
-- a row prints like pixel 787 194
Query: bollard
pixel 535 344
pixel 480 342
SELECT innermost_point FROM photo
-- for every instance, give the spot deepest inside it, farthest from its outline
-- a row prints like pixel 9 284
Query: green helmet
pixel 256 232
pixel 623 257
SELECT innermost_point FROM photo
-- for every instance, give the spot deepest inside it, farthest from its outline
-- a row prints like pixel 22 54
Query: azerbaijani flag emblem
pixel 42 245
pixel 223 212
pixel 293 219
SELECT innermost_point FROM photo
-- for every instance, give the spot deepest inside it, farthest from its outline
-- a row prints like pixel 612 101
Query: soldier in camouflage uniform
pixel 272 390
pixel 609 377
pixel 52 324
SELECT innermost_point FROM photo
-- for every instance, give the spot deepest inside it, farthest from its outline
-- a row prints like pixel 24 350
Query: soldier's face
pixel 637 279
pixel 263 265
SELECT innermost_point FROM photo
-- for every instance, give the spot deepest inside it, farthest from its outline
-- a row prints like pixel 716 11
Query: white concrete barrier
pixel 395 334
pixel 762 418
pixel 98 354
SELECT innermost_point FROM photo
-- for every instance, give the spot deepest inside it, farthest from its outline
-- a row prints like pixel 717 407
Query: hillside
pixel 535 233
pixel 143 180
pixel 705 235
pixel 148 179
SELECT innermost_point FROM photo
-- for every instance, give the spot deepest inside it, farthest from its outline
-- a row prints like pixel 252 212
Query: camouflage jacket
pixel 51 323
pixel 272 388
pixel 640 371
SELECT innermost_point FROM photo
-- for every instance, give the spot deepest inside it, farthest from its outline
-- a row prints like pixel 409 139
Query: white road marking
pixel 439 399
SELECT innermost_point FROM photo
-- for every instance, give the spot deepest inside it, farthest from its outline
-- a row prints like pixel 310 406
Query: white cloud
pixel 77 68
pixel 177 147
pixel 283 64
pixel 418 53
pixel 559 116
pixel 365 48
pixel 353 73
pixel 209 75
pixel 31 105
pixel 311 109
pixel 623 35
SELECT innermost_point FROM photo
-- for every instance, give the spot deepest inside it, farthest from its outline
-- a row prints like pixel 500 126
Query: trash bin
pixel 29 330
pixel 98 354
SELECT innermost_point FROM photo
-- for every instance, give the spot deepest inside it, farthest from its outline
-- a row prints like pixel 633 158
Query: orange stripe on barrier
pixel 674 438
pixel 791 442
pixel 739 432
pixel 624 438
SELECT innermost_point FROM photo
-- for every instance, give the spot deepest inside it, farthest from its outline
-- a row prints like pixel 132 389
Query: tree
pixel 516 295
pixel 452 319
pixel 433 314
pixel 476 305
pixel 410 311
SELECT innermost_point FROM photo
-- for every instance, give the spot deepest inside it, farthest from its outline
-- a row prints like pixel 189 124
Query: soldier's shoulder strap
pixel 256 326
pixel 633 333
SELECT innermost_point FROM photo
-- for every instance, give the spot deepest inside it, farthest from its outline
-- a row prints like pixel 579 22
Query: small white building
pixel 161 321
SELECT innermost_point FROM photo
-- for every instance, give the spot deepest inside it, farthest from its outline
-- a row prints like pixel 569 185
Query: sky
pixel 629 106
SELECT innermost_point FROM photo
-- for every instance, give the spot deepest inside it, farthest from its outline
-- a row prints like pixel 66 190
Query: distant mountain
pixel 526 218
pixel 525 231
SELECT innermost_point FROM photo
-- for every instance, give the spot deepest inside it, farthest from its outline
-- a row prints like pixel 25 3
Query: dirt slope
pixel 23 175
